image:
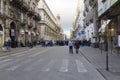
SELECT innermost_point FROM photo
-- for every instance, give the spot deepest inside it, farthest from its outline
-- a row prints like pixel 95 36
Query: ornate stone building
pixel 18 19
pixel 49 24
pixel 78 22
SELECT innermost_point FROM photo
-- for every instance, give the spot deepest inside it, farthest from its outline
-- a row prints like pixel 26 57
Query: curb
pixel 9 53
pixel 81 52
pixel 102 74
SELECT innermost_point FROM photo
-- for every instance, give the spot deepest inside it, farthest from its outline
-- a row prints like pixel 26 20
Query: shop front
pixel 110 11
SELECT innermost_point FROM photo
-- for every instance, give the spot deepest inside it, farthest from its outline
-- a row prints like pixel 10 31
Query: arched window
pixel 1 29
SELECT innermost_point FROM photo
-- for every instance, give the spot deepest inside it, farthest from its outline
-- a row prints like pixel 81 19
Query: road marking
pixel 9 62
pixel 48 66
pixel 6 60
pixel 12 68
pixel 80 66
pixel 3 57
pixel 19 53
pixel 36 54
pixel 32 66
pixel 64 67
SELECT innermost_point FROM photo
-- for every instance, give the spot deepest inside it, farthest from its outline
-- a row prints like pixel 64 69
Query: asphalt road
pixel 51 63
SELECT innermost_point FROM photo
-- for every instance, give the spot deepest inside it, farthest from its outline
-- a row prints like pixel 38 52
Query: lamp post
pixel 107 57
pixel 100 35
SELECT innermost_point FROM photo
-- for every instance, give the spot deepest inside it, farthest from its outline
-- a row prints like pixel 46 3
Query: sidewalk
pixel 13 51
pixel 98 59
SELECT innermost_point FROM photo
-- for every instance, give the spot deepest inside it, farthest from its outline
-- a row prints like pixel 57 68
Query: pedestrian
pixel 6 46
pixel 70 44
pixel 76 46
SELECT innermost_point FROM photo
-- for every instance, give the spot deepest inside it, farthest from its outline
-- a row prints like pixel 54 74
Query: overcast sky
pixel 66 9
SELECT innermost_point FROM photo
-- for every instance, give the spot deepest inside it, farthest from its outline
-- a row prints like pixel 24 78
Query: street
pixel 51 63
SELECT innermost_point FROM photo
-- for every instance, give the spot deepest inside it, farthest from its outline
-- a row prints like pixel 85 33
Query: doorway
pixel 1 36
pixel 13 34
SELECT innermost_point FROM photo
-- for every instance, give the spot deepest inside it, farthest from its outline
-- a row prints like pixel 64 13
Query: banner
pixel 112 2
pixel 102 7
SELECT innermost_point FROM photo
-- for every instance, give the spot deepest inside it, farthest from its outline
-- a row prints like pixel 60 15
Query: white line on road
pixel 36 54
pixel 6 60
pixel 80 66
pixel 48 66
pixel 64 67
pixel 12 68
pixel 19 53
pixel 32 66
pixel 7 63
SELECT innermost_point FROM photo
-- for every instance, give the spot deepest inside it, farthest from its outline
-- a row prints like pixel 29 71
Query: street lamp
pixel 107 61
pixel 100 36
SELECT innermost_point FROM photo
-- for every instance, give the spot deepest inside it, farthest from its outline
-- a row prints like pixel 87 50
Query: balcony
pixel 25 7
pixel 16 2
pixel 86 9
pixel 20 4
pixel 2 14
pixel 30 25
pixel 31 12
pixel 42 22
pixel 37 16
pixel 91 2
pixel 23 22
pixel 84 14
pixel 91 20
pixel 13 16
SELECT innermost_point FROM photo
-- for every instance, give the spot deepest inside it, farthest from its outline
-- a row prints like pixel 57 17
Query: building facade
pixel 109 16
pixel 49 24
pixel 91 20
pixel 76 24
pixel 18 21
pixel 77 30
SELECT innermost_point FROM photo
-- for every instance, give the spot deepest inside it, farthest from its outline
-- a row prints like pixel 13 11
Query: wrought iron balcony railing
pixel 31 12
pixel 37 16
pixel 17 2
pixel 23 22
pixel 3 14
pixel 21 4
pixel 30 25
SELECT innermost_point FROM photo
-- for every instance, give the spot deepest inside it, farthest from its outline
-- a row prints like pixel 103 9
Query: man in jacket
pixel 77 46
pixel 70 44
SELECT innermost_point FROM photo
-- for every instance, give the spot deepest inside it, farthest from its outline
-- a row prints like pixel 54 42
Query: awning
pixel 111 12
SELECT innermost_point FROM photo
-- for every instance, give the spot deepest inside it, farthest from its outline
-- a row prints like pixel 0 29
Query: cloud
pixel 66 9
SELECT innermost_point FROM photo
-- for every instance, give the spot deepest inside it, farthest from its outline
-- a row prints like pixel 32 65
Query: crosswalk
pixel 42 65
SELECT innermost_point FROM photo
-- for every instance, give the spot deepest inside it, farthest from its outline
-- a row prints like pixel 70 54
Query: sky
pixel 66 9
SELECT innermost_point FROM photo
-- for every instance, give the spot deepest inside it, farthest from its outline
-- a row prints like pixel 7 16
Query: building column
pixel 1 6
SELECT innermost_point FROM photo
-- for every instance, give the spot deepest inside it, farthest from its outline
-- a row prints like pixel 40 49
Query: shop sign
pixel 22 32
pixel 102 7
pixel 29 33
pixel 106 5
pixel 112 2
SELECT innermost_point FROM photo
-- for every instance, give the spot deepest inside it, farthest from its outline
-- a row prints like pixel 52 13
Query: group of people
pixel 75 44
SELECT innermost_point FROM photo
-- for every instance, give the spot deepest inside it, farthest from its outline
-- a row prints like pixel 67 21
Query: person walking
pixel 70 44
pixel 77 46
